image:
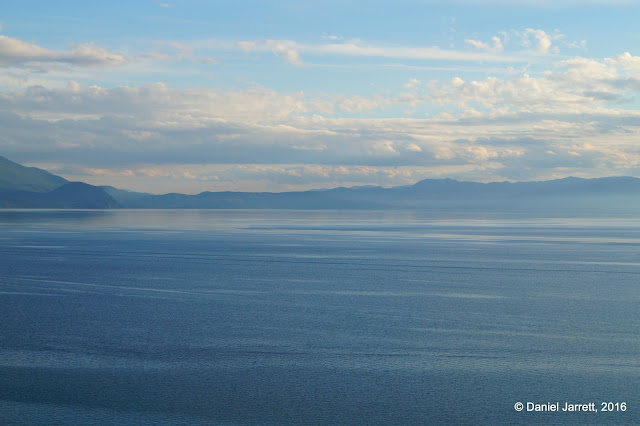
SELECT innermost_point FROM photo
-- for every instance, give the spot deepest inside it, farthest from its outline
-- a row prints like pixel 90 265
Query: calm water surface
pixel 299 317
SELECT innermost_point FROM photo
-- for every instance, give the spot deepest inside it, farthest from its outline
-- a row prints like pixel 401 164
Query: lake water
pixel 312 317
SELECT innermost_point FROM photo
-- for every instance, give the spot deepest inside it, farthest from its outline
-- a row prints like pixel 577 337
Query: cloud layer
pixel 552 116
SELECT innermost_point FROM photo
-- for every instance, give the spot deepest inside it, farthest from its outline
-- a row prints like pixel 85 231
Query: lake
pixel 316 317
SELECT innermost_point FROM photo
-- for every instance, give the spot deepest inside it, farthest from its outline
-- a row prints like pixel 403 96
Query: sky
pixel 277 95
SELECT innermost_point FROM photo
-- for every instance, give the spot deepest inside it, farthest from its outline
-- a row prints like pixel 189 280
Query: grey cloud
pixel 120 141
pixel 604 96
pixel 113 141
pixel 626 84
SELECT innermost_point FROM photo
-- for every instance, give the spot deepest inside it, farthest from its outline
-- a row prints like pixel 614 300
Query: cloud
pixel 543 40
pixel 284 49
pixel 357 48
pixel 576 85
pixel 183 50
pixel 356 103
pixel 287 52
pixel 497 46
pixel 155 55
pixel 88 54
pixel 247 46
pixel 516 127
pixel 628 62
pixel 534 40
pixel 292 51
pixel 412 83
pixel 15 52
pixel 179 51
pixel 209 61
pixel 170 107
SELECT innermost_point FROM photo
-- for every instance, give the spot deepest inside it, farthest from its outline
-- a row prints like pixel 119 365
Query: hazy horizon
pixel 364 185
pixel 285 96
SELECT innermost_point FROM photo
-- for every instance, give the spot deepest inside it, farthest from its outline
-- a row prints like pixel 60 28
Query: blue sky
pixel 192 95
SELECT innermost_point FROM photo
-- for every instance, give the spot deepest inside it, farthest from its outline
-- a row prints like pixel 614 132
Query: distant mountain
pixel 571 194
pixel 15 177
pixel 30 187
pixel 72 195
pixel 123 196
pixel 603 195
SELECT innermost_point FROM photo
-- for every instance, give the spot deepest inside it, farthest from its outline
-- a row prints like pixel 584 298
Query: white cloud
pixel 577 85
pixel 292 51
pixel 497 46
pixel 288 50
pixel 412 83
pixel 629 63
pixel 88 54
pixel 543 40
pixel 358 48
pixel 356 103
pixel 15 52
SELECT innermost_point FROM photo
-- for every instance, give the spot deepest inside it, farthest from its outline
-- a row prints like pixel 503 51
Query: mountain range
pixel 29 187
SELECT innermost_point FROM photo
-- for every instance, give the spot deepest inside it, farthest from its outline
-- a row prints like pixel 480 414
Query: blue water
pixel 293 317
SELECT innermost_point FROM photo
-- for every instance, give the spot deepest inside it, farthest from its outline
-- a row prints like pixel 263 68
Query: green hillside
pixel 14 177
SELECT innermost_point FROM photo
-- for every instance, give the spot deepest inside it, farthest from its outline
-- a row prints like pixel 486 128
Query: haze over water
pixel 315 317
